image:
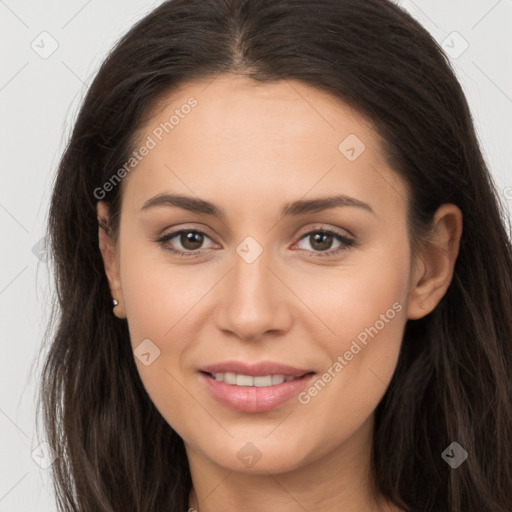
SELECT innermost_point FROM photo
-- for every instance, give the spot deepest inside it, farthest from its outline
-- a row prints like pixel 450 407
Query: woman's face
pixel 263 283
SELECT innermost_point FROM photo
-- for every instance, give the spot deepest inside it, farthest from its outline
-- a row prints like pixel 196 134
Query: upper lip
pixel 255 370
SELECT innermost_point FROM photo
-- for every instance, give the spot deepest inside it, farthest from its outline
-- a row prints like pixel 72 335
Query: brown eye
pixel 191 240
pixel 321 242
pixel 186 242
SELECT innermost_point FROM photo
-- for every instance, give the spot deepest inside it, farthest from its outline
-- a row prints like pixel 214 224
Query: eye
pixel 321 241
pixel 190 239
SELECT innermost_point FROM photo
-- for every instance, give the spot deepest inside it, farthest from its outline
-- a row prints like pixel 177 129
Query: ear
pixel 110 257
pixel 435 263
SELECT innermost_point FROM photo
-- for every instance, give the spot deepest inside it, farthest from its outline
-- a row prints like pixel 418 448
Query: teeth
pixel 246 380
pixel 265 380
pixel 278 379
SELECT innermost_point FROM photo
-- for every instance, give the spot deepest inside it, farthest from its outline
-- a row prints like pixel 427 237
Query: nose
pixel 253 301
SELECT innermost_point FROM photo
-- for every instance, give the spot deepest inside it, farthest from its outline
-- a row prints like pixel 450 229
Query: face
pixel 271 282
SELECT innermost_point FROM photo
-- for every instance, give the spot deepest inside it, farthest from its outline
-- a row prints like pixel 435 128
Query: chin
pixel 257 456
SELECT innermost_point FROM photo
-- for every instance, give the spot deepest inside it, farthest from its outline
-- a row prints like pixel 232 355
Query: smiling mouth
pixel 236 379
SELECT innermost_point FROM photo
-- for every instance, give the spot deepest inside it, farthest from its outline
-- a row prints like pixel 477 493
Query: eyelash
pixel 346 242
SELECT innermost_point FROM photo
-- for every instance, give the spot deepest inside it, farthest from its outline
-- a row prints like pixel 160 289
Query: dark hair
pixel 452 382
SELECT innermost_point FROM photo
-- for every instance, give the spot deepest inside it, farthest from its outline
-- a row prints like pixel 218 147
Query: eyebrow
pixel 296 208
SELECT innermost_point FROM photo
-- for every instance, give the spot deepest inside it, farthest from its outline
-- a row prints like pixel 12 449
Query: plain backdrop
pixel 50 51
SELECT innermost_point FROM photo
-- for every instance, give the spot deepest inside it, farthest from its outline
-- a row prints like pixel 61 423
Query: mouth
pixel 254 388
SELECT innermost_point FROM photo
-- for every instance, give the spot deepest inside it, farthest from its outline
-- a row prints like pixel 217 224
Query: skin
pixel 250 149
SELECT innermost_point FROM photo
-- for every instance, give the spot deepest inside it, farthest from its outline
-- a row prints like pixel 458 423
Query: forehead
pixel 232 107
pixel 231 133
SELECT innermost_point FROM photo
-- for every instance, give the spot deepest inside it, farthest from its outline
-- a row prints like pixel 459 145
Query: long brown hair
pixel 452 381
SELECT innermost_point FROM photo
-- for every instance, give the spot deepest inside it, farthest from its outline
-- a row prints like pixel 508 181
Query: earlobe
pixel 438 256
pixel 110 260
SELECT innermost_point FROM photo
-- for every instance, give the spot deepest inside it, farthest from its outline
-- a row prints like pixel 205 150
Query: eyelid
pixel 177 230
pixel 324 227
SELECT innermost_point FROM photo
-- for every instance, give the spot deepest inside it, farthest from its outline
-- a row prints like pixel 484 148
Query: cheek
pixel 369 290
pixel 159 301
pixel 364 307
pixel 367 305
pixel 369 326
pixel 157 294
pixel 163 303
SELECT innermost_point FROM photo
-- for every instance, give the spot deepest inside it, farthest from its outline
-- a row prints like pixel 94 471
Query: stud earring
pixel 422 306
pixel 115 302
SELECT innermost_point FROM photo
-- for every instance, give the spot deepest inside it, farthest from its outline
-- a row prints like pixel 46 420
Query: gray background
pixel 39 96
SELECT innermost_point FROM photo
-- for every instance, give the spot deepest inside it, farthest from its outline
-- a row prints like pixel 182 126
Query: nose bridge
pixel 251 276
pixel 251 301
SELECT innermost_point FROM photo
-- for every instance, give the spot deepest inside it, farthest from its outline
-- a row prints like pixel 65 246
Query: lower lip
pixel 255 399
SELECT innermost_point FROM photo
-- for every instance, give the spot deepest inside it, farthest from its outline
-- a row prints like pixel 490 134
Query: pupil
pixel 324 241
pixel 191 240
